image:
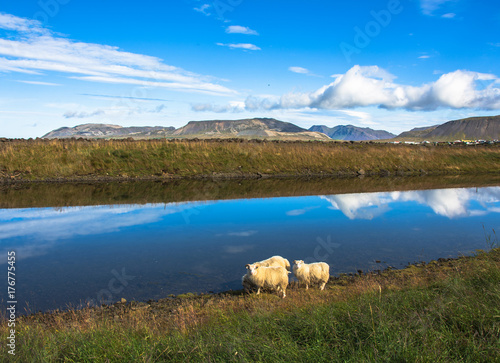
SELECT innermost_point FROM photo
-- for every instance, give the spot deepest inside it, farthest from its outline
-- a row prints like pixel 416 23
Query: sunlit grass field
pixel 46 159
pixel 444 311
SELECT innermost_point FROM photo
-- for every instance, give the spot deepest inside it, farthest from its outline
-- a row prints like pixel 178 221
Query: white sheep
pixel 272 278
pixel 247 284
pixel 311 273
pixel 275 261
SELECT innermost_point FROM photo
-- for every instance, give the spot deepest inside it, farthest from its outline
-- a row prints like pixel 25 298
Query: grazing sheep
pixel 273 278
pixel 247 284
pixel 311 273
pixel 275 261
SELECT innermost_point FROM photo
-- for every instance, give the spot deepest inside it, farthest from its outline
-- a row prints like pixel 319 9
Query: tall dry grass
pixel 43 159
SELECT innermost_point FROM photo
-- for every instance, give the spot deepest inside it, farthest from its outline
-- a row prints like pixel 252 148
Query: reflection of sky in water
pixel 67 254
pixel 451 203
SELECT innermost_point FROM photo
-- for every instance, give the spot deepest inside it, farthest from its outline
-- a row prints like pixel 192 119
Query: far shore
pixel 80 160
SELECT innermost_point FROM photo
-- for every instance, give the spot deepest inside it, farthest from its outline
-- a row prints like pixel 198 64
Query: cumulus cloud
pixel 450 203
pixel 238 29
pixel 373 86
pixel 31 49
pixel 245 46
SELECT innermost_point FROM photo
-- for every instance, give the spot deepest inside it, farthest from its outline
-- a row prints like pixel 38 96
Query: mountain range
pixel 474 128
pixel 267 128
pixel 102 131
pixel 350 132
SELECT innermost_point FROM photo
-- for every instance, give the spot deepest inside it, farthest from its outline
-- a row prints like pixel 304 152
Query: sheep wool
pixel 272 278
pixel 275 261
pixel 311 273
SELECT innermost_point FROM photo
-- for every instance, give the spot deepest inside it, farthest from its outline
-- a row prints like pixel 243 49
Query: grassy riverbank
pixel 440 311
pixel 112 159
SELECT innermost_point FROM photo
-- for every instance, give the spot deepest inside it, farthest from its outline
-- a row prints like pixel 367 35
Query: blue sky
pixel 390 65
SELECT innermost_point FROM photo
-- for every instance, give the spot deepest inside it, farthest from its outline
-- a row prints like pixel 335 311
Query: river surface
pixel 69 256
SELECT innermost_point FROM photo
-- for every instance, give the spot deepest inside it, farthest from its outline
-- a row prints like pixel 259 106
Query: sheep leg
pixel 258 290
pixel 322 287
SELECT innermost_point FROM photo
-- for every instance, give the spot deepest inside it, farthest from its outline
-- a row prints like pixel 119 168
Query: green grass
pixel 442 312
pixel 49 159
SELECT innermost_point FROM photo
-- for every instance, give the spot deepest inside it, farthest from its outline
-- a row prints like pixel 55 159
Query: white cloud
pixel 242 234
pixel 450 203
pixel 208 88
pixel 373 86
pixel 11 22
pixel 449 15
pixel 364 118
pixel 359 206
pixel 117 110
pixel 234 106
pixel 245 46
pixel 238 248
pixel 238 29
pixel 83 114
pixel 298 212
pixel 40 83
pixel 42 227
pixel 429 6
pixel 203 9
pixel 424 57
pixel 298 70
pixel 34 50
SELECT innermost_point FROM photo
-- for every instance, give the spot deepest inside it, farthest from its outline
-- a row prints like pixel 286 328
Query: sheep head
pixel 252 269
pixel 298 263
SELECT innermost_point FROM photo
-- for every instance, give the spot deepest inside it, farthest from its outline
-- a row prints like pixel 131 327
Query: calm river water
pixel 72 255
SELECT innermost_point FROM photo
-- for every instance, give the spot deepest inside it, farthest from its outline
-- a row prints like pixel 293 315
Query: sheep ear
pixel 247 265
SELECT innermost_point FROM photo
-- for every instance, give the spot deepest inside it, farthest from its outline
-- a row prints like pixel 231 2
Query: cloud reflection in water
pixel 450 203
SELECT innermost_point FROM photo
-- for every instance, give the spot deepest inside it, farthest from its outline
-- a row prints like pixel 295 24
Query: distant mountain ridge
pixel 417 132
pixel 252 128
pixel 472 128
pixel 237 126
pixel 350 132
pixel 108 131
